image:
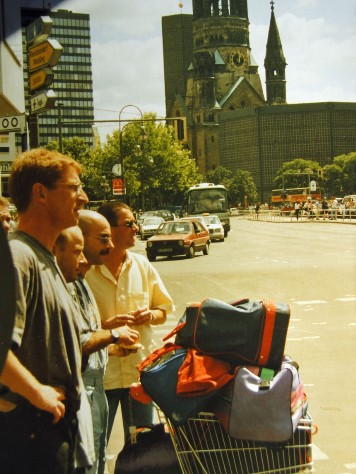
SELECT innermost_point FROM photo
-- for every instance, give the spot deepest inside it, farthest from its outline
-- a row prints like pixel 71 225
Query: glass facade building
pixel 73 82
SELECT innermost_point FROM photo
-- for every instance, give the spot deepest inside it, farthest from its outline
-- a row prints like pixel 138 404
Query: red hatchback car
pixel 179 237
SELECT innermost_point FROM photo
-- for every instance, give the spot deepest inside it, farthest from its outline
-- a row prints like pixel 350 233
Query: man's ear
pixel 39 190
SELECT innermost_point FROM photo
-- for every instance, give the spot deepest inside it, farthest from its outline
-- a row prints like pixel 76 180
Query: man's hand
pixel 49 398
pixel 118 320
pixel 127 335
pixel 116 350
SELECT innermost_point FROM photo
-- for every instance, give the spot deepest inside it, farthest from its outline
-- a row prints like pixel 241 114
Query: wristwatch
pixel 115 335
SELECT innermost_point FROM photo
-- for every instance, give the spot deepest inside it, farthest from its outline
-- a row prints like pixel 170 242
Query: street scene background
pixel 312 267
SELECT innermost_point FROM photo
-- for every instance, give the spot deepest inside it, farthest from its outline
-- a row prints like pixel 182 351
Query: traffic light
pixel 320 172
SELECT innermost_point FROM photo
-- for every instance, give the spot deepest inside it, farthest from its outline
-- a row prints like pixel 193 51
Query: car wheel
pixel 206 249
pixel 222 240
pixel 191 252
pixel 142 237
pixel 151 258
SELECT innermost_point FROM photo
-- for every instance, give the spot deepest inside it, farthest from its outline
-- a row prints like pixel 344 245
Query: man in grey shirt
pixel 38 418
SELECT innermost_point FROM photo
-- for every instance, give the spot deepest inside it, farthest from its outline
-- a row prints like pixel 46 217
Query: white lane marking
pixel 318 454
pixel 351 298
pixel 319 324
pixel 310 302
pixel 350 466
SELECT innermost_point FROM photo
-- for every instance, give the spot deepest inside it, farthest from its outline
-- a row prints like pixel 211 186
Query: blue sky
pixel 318 36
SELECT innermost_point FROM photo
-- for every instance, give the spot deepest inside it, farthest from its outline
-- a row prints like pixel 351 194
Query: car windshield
pixel 152 221
pixel 175 228
pixel 212 220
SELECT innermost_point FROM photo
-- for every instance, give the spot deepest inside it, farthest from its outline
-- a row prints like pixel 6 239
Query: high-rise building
pixel 73 82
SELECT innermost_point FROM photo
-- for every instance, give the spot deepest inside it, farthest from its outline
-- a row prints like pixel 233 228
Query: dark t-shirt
pixel 46 333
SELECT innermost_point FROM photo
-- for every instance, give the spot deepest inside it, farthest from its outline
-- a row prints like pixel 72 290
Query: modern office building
pixel 230 123
pixel 73 82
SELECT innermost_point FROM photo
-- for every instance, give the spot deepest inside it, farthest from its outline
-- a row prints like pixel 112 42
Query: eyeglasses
pixel 128 224
pixel 77 187
pixel 104 238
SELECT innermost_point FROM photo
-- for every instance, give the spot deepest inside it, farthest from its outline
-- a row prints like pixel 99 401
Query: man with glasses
pixel 5 216
pixel 128 291
pixel 40 437
pixel 75 254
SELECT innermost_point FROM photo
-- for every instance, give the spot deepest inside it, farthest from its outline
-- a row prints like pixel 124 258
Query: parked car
pixel 179 237
pixel 165 213
pixel 149 225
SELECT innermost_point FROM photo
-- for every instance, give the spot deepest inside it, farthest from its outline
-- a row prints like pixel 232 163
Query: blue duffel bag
pixel 159 381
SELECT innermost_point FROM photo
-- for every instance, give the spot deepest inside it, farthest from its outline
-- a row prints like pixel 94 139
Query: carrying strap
pixel 268 330
pixel 157 354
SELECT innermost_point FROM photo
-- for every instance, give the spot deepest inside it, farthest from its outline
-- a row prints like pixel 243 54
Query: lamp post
pixel 121 131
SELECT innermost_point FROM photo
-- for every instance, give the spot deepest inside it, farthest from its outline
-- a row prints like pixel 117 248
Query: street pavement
pixel 312 267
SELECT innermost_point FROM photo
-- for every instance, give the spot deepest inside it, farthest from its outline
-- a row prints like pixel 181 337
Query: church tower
pixel 222 76
pixel 275 64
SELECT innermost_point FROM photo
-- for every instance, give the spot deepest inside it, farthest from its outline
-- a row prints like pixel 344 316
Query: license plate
pixel 165 250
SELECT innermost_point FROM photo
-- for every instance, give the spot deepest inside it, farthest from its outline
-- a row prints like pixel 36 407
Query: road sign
pixel 42 102
pixel 39 28
pixel 44 54
pixel 312 185
pixel 13 123
pixel 42 78
pixel 117 187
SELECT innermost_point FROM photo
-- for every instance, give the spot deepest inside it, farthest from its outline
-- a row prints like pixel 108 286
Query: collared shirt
pixel 138 286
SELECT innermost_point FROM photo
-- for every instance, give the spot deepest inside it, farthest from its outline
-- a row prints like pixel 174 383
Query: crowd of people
pixel 86 310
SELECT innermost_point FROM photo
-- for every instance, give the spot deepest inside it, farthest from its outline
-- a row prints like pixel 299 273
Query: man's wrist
pixel 115 335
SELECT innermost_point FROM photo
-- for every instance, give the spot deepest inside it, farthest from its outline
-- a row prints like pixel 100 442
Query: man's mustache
pixel 105 252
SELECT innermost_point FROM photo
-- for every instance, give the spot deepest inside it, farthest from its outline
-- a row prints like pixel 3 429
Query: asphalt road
pixel 311 266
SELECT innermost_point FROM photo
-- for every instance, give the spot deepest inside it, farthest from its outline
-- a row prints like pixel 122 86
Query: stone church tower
pixel 222 76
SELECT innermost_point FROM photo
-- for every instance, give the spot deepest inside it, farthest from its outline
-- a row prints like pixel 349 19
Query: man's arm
pixel 21 381
pixel 102 338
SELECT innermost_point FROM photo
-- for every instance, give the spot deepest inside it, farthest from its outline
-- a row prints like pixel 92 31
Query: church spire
pixel 275 64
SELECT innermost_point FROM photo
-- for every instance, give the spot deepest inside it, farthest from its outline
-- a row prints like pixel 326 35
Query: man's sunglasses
pixel 129 224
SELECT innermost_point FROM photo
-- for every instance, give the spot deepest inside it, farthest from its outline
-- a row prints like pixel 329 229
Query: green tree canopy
pixel 294 174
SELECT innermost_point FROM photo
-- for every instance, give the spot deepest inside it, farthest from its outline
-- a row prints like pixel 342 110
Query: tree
pixel 242 189
pixel 220 175
pixel 347 163
pixel 294 174
pixel 157 168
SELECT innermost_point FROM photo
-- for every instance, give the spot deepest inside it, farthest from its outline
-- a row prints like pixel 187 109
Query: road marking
pixel 350 466
pixel 319 324
pixel 351 298
pixel 318 454
pixel 310 302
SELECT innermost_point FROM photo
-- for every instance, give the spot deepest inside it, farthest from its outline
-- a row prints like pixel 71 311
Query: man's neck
pixel 39 230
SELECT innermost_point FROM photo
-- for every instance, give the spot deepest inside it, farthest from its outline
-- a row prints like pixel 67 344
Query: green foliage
pixel 240 185
pixel 337 179
pixel 157 169
pixel 294 174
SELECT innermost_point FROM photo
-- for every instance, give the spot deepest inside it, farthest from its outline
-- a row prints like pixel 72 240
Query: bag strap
pixel 174 331
pixel 270 318
pixel 157 354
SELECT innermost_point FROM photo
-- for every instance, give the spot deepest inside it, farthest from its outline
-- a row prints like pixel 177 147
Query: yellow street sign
pixel 44 54
pixel 41 78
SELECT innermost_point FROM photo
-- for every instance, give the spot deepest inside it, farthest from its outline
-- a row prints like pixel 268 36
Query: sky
pixel 318 38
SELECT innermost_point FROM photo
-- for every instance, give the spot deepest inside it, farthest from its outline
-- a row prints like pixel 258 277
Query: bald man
pixel 76 251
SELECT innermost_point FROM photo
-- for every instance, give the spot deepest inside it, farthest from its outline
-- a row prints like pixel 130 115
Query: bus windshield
pixel 203 200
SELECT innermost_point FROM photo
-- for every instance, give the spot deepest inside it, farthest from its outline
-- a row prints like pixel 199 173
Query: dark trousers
pixel 31 444
pixel 133 412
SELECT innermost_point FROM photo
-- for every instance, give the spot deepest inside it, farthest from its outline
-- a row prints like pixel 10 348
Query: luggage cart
pixel 203 447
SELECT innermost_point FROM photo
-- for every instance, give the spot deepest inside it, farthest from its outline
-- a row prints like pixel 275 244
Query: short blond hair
pixel 36 166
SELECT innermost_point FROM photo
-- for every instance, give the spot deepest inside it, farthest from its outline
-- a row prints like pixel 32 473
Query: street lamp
pixel 121 131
